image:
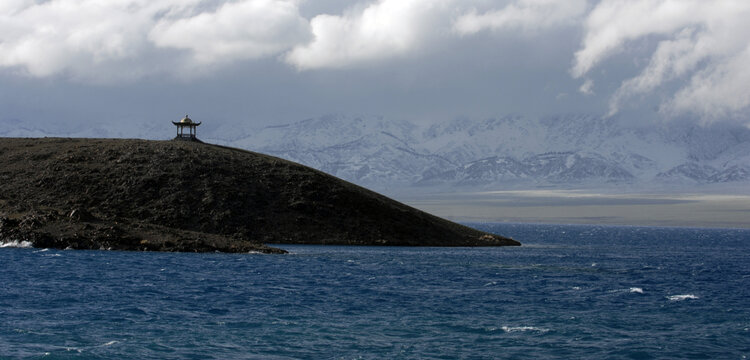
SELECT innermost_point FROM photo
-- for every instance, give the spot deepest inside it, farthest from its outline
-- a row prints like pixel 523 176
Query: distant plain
pixel 581 207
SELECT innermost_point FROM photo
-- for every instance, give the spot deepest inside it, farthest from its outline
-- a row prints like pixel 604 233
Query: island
pixel 189 196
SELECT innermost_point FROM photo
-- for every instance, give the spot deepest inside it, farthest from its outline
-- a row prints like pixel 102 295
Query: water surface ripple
pixel 570 292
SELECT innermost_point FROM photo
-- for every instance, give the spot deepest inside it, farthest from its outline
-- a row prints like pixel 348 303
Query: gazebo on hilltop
pixel 191 126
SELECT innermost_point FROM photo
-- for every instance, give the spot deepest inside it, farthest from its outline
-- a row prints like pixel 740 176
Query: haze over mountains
pixel 510 152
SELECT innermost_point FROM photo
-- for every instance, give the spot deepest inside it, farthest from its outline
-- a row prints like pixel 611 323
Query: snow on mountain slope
pixel 552 168
pixel 564 151
pixel 368 151
pixel 509 151
pixel 131 128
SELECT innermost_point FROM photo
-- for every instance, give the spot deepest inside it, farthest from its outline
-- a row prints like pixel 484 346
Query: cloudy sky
pixel 68 63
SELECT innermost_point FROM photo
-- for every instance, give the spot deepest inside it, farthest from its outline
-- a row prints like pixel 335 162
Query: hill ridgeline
pixel 187 196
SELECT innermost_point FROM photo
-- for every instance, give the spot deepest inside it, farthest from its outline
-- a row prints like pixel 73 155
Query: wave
pixel 682 297
pixel 632 290
pixel 16 244
pixel 510 329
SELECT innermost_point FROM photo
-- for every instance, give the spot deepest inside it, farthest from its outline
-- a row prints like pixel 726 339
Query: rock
pixel 81 215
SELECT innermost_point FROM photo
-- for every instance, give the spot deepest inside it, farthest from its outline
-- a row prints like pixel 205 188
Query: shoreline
pixel 721 211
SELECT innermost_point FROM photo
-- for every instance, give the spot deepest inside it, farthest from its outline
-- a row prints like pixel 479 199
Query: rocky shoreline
pixel 144 195
pixel 53 230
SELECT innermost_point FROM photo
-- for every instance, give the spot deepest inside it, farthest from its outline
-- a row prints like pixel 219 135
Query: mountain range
pixel 511 152
pixel 506 152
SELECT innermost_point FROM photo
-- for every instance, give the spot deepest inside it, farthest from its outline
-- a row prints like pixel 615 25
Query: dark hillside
pixel 186 196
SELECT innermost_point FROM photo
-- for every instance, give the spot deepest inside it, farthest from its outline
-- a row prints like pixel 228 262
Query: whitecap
pixel 636 290
pixel 510 329
pixel 682 297
pixel 109 343
pixel 16 244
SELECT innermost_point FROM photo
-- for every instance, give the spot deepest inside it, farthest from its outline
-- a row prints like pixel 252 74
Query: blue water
pixel 571 292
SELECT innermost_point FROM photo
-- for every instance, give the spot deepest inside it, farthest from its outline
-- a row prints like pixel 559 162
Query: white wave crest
pixel 636 290
pixel 510 329
pixel 16 244
pixel 682 297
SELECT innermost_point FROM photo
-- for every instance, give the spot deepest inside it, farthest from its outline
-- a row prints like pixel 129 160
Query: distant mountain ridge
pixel 510 152
pixel 561 151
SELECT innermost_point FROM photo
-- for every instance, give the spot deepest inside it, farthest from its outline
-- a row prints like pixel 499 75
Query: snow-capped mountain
pixel 565 151
pixel 508 152
pixel 553 167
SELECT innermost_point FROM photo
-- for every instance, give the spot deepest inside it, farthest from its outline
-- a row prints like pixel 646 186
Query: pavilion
pixel 191 126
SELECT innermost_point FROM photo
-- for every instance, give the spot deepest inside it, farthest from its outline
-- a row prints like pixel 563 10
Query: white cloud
pixel 719 91
pixel 526 15
pixel 382 29
pixel 699 50
pixel 123 40
pixel 56 36
pixel 704 44
pixel 386 29
pixel 114 40
pixel 239 30
pixel 587 87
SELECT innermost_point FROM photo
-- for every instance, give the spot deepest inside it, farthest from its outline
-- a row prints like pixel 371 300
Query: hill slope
pixel 184 196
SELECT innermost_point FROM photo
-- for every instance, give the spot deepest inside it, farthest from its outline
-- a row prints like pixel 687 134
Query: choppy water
pixel 570 292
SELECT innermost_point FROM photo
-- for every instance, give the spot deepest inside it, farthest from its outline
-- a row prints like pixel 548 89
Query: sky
pixel 66 64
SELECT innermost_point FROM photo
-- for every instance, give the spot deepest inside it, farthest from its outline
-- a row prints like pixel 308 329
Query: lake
pixel 572 291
